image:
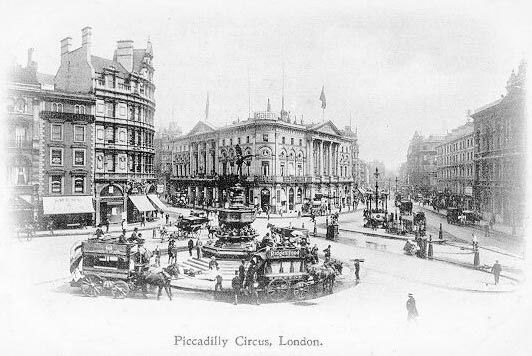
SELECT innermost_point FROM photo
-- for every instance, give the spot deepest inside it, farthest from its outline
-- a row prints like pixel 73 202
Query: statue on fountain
pixel 240 159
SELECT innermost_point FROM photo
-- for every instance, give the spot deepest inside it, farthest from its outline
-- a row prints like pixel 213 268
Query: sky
pixel 388 69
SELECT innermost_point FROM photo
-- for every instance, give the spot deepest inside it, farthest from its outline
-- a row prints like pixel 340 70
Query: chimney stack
pixel 65 45
pixel 31 63
pixel 124 54
pixel 86 38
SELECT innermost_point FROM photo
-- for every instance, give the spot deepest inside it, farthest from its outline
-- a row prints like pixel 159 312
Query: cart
pixel 105 265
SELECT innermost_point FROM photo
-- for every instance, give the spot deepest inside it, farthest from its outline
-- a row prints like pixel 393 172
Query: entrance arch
pixel 291 199
pixel 264 199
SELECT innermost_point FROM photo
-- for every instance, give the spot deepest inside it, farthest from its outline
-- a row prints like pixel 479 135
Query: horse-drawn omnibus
pixel 287 273
pixel 100 265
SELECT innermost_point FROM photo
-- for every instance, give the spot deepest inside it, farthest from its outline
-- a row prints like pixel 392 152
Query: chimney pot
pixel 65 45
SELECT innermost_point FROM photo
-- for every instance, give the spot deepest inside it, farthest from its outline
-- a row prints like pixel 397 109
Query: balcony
pixel 121 176
pixel 66 116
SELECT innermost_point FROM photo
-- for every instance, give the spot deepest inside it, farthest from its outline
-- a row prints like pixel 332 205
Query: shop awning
pixel 141 202
pixel 68 204
pixel 157 202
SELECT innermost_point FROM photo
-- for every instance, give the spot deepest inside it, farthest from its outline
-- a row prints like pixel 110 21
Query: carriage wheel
pixel 277 290
pixel 301 290
pixel 91 286
pixel 120 289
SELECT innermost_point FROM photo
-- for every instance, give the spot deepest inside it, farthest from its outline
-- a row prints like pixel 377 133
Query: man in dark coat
pixel 327 252
pixel 411 307
pixel 357 270
pixel 218 285
pixel 167 218
pixel 236 284
pixel 190 246
pixel 242 272
pixel 496 270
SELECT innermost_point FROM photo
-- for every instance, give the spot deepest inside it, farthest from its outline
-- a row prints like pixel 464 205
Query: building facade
pixel 422 164
pixel 500 159
pixel 124 122
pixel 289 163
pixel 66 158
pixel 456 167
pixel 23 99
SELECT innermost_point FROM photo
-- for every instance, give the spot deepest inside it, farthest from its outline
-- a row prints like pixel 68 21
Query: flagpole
pixel 323 115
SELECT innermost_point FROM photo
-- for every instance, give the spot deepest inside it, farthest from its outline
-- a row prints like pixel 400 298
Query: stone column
pixel 320 159
pixel 330 159
pixel 310 157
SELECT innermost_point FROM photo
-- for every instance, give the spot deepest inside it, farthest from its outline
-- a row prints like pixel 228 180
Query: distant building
pixel 455 166
pixel 500 156
pixel 422 164
pixel 292 163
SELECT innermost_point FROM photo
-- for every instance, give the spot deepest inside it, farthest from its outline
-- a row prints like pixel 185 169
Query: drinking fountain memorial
pixel 236 238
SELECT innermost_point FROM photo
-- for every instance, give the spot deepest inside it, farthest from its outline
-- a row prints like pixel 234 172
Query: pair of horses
pixel 155 277
pixel 326 275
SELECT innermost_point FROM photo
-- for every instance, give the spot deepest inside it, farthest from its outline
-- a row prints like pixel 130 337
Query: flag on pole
pixel 207 107
pixel 268 108
pixel 322 98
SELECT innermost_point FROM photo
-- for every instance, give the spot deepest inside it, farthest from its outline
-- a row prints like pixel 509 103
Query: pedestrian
pixel 236 284
pixel 357 270
pixel 154 233
pixel 143 220
pixel 486 230
pixel 327 252
pixel 167 218
pixel 171 248
pixel 99 232
pixel 106 223
pixel 123 224
pixel 496 270
pixel 157 254
pixel 218 286
pixel 199 249
pixel 51 226
pixel 190 246
pixel 440 233
pixel 134 234
pixel 242 272
pixel 411 308
pixel 213 263
pixel 431 250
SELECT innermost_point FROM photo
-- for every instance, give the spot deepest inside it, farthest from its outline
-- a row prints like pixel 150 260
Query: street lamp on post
pixel 396 185
pixel 376 174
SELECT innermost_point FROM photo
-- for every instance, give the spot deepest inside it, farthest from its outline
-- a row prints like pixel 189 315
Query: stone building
pixel 23 99
pixel 500 156
pixel 455 166
pixel 289 164
pixel 422 164
pixel 66 158
pixel 124 122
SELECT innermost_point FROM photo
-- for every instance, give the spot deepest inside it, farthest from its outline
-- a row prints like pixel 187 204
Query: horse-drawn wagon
pixel 121 267
pixel 286 273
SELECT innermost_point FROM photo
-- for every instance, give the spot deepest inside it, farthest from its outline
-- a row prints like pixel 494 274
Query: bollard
pixel 476 259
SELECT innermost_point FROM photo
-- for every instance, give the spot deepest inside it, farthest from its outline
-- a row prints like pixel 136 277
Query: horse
pixel 157 277
pixel 336 266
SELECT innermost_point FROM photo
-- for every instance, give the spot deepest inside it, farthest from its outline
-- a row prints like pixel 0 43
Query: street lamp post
pixel 376 174
pixel 396 185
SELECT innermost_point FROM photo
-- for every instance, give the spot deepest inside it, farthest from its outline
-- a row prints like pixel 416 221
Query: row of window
pixel 118 162
pixel 112 134
pixel 58 107
pixel 56 132
pixel 57 184
pixel 57 159
pixel 121 110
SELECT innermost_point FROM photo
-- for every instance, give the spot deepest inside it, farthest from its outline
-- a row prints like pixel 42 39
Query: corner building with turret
pixel 124 122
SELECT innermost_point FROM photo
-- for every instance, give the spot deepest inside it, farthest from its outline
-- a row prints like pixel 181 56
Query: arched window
pixel 20 105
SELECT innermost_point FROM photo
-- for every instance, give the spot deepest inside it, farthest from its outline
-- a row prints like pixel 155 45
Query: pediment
pixel 201 127
pixel 327 128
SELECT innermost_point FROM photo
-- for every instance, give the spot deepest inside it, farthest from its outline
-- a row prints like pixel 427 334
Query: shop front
pixel 139 206
pixel 69 211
